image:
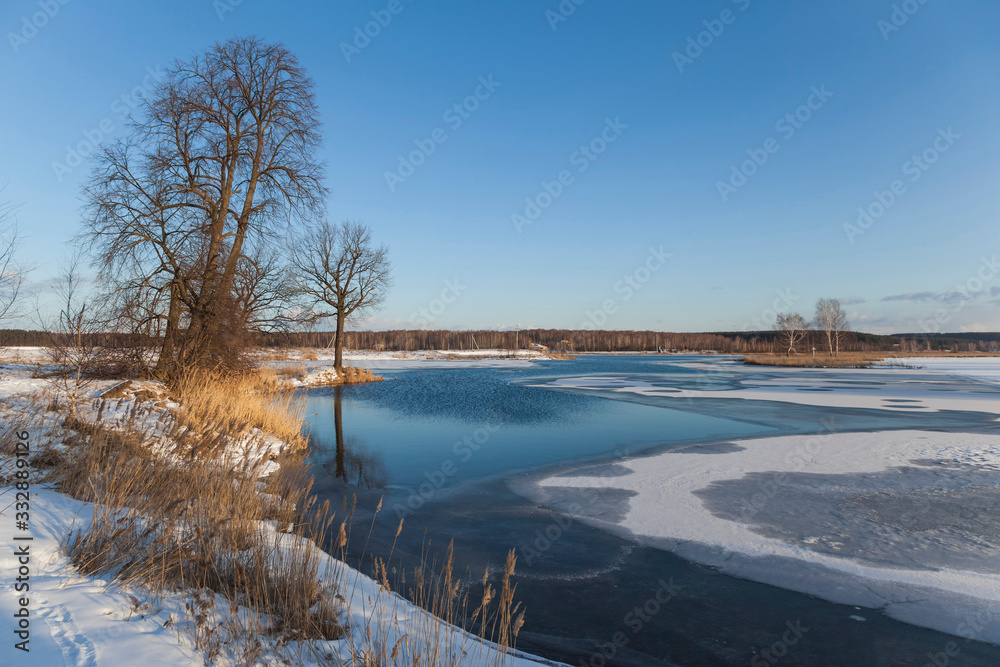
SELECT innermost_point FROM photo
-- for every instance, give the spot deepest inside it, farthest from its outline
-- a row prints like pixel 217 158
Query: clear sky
pixel 639 116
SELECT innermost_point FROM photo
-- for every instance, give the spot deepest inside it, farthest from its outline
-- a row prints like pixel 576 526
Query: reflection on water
pixel 353 461
pixel 469 428
pixel 447 426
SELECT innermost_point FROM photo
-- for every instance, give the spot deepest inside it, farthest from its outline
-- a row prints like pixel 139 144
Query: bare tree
pixel 75 338
pixel 792 329
pixel 831 319
pixel 221 157
pixel 339 268
pixel 12 273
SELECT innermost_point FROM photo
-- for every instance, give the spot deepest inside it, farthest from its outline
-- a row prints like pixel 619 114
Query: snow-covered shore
pixel 85 620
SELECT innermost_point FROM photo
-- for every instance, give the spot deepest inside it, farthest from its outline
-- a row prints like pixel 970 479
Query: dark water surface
pixel 446 446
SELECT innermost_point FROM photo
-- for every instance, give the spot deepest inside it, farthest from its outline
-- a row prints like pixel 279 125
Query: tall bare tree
pixel 792 328
pixel 343 272
pixel 220 156
pixel 832 320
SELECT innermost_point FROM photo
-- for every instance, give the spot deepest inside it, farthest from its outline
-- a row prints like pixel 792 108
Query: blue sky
pixel 872 86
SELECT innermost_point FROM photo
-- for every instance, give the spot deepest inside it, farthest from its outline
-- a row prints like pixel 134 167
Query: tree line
pixel 733 342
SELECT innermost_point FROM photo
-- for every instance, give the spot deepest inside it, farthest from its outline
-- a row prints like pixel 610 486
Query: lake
pixel 448 446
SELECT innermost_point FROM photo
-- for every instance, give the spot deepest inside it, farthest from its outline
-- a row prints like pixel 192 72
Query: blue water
pixel 439 446
pixel 473 423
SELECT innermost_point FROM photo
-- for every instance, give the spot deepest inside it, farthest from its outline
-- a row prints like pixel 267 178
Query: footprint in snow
pixel 77 649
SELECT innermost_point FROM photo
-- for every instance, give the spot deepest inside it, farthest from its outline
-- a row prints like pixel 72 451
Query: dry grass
pixel 198 526
pixel 349 375
pixel 495 619
pixel 205 528
pixel 291 371
pixel 229 405
pixel 843 360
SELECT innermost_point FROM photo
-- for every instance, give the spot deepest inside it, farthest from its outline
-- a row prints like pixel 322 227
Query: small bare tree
pixel 74 339
pixel 344 274
pixel 792 328
pixel 831 319
pixel 11 271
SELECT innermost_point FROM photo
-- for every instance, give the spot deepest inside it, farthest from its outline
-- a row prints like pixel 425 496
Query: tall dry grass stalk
pixel 484 635
pixel 231 404
pixel 199 526
pixel 240 547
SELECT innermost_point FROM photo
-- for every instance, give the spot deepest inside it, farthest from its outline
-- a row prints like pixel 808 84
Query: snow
pixel 87 621
pixel 893 389
pixel 77 620
pixel 327 354
pixel 901 521
pixel 978 369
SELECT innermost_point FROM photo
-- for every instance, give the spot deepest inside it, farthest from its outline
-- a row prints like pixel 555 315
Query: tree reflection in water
pixel 354 463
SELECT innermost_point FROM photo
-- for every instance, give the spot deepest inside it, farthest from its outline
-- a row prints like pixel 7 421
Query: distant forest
pixel 731 342
pixel 565 340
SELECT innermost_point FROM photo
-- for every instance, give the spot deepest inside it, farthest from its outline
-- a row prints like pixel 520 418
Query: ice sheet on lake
pixel 904 521
pixel 941 385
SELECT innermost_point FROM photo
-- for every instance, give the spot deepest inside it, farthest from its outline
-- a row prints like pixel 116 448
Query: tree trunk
pixel 338 355
pixel 164 364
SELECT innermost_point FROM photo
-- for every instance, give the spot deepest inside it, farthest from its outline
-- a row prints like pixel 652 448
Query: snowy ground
pixel 902 521
pixel 327 354
pixel 86 621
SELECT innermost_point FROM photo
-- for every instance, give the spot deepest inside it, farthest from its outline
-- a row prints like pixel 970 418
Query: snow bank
pixel 88 621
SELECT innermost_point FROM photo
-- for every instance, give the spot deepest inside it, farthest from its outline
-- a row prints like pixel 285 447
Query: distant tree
pixel 831 319
pixel 792 328
pixel 12 273
pixel 75 338
pixel 342 272
pixel 220 159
